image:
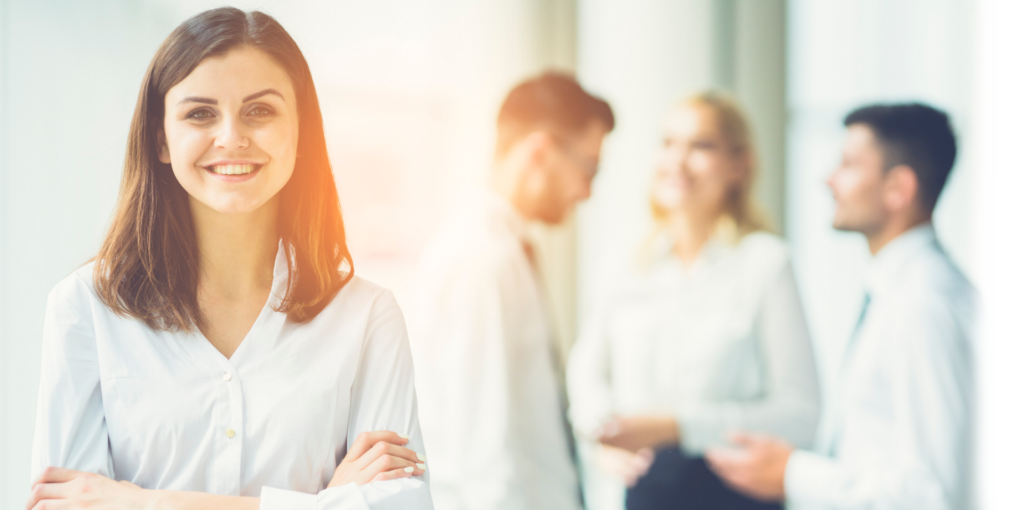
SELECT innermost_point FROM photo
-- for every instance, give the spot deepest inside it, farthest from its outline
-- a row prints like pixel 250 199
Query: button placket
pixel 231 432
pixel 238 426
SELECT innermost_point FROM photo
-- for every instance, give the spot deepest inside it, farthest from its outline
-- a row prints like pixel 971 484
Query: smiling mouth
pixel 233 169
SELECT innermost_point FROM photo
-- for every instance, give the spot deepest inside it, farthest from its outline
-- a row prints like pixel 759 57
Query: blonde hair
pixel 742 214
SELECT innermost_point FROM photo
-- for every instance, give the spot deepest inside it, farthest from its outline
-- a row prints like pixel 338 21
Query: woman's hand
pixel 624 464
pixel 634 433
pixel 60 488
pixel 378 456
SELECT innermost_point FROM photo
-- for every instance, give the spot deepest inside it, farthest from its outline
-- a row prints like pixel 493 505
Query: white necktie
pixel 832 424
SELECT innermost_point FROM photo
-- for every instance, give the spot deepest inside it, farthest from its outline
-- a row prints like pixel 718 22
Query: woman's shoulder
pixel 362 297
pixel 75 289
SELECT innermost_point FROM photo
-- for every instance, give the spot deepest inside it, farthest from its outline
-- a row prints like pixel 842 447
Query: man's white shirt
pixel 485 373
pixel 898 433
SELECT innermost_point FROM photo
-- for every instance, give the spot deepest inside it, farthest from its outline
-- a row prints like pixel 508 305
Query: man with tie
pixel 898 435
pixel 487 369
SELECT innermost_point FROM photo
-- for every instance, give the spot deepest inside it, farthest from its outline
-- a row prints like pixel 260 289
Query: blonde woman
pixel 707 337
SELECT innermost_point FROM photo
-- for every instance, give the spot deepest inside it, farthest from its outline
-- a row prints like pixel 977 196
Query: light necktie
pixel 833 426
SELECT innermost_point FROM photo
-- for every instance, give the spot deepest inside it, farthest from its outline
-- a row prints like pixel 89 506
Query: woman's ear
pixel 163 153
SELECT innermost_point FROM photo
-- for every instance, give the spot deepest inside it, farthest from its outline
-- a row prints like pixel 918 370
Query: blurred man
pixel 488 373
pixel 898 434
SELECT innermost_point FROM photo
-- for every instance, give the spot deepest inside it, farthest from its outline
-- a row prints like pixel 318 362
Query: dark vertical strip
pixel 724 57
pixel 566 23
pixel 783 186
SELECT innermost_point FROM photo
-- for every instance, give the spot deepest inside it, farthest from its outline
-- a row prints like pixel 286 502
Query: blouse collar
pixel 279 287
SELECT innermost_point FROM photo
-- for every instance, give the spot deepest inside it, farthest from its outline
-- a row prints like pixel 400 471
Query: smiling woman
pixel 219 348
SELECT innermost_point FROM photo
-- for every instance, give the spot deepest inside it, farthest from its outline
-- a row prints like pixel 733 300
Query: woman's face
pixel 231 130
pixel 696 167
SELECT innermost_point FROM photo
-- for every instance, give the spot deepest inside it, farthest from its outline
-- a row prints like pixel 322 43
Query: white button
pixel 227 376
pixel 230 433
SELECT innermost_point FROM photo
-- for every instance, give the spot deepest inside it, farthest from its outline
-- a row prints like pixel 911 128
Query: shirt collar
pixel 281 274
pixel 714 249
pixel 891 260
pixel 502 211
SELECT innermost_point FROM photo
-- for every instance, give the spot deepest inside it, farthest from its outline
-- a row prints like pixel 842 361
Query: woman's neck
pixel 689 233
pixel 236 251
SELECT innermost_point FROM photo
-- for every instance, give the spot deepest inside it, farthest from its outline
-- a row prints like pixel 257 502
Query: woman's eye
pixel 261 111
pixel 200 115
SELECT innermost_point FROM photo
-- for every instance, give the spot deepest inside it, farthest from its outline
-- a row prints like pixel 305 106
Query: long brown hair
pixel 148 265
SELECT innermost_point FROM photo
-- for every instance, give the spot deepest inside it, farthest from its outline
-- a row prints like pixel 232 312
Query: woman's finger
pixel 387 463
pixel 55 504
pixel 43 491
pixel 54 474
pixel 394 474
pixel 367 440
pixel 384 448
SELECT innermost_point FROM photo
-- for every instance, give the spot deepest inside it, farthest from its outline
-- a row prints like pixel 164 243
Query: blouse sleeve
pixel 383 398
pixel 789 406
pixel 71 430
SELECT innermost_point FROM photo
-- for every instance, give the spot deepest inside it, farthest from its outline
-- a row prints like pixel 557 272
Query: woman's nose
pixel 232 135
pixel 680 163
pixel 672 159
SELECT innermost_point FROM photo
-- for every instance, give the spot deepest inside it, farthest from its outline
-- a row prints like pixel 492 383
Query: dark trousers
pixel 677 481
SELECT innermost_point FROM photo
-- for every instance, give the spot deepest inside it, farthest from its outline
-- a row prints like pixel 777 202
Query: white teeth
pixel 233 169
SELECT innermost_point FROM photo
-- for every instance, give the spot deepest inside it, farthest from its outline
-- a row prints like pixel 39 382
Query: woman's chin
pixel 670 202
pixel 234 205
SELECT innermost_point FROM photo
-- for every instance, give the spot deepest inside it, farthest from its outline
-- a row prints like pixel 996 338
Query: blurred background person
pixel 487 366
pixel 897 434
pixel 709 336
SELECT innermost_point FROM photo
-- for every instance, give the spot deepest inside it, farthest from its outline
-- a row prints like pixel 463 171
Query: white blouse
pixel 721 345
pixel 168 411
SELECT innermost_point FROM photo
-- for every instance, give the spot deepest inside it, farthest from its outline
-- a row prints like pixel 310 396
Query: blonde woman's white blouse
pixel 166 410
pixel 721 345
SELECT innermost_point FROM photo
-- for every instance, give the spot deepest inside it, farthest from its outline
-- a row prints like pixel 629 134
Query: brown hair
pixel 148 265
pixel 552 101
pixel 742 215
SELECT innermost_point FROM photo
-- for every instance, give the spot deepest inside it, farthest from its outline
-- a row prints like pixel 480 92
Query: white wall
pixel 71 73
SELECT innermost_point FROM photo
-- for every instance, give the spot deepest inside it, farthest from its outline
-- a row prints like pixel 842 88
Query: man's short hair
pixel 552 102
pixel 916 135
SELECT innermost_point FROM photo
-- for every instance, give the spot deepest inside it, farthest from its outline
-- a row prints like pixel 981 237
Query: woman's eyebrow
pixel 203 100
pixel 261 93
pixel 246 99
